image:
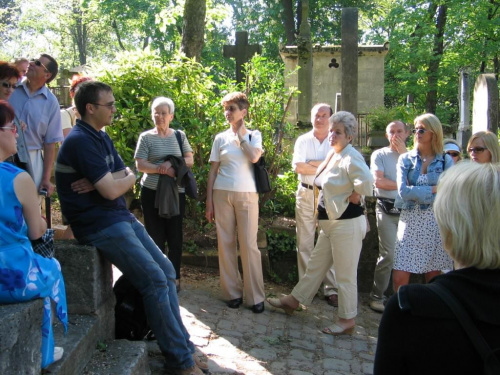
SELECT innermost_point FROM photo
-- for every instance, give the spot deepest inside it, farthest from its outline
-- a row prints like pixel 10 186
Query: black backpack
pixel 130 318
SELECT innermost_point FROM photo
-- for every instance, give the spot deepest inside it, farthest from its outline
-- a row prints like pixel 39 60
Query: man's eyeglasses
pixel 109 105
pixel 8 85
pixel 12 128
pixel 419 131
pixel 476 150
pixel 453 154
pixel 231 108
pixel 39 63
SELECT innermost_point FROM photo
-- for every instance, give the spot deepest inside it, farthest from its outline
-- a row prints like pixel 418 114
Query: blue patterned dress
pixel 25 275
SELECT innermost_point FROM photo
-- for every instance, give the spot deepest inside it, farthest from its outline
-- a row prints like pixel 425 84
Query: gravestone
pixel 350 60
pixel 464 129
pixel 485 107
pixel 242 52
pixel 304 48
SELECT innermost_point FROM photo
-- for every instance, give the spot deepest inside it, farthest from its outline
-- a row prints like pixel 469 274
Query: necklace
pixel 428 157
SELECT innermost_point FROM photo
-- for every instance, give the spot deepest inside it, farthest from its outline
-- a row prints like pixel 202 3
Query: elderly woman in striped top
pixel 153 157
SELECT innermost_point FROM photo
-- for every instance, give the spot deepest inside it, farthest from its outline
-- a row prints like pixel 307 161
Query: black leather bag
pixel 387 205
pixel 190 187
pixel 262 182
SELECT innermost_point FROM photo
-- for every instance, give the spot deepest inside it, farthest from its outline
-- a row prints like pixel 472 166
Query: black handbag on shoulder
pixel 262 182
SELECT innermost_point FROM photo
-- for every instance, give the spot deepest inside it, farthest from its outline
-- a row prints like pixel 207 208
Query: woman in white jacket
pixel 342 179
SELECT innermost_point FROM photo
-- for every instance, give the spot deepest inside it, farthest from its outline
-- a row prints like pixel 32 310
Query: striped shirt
pixel 155 149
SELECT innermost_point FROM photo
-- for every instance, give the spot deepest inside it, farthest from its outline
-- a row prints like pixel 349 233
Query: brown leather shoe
pixel 332 300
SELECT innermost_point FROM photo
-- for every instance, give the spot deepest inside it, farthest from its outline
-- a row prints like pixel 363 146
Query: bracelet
pixel 242 142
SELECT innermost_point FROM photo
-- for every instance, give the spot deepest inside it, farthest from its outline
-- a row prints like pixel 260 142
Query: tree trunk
pixel 117 32
pixel 289 22
pixel 193 30
pixel 437 55
pixel 79 33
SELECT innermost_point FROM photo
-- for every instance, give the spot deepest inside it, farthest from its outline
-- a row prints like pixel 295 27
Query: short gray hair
pixel 348 120
pixel 161 100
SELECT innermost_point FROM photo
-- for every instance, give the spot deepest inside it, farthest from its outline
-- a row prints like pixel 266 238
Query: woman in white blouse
pixel 233 203
pixel 342 179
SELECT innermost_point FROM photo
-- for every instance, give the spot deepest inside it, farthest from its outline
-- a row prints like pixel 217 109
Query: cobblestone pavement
pixel 238 341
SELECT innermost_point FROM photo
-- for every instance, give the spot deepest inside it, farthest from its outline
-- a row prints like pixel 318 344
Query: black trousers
pixel 164 231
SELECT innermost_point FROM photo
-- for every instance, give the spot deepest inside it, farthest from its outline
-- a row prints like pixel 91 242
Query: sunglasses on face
pixel 476 150
pixel 8 85
pixel 419 131
pixel 39 63
pixel 453 154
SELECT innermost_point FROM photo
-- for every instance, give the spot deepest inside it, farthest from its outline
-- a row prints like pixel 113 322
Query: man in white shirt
pixel 310 150
pixel 383 167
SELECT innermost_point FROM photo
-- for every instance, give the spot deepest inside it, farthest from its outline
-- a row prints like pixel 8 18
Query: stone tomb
pixel 327 81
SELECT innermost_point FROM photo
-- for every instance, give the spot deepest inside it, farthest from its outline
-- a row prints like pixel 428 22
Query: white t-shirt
pixel 236 172
pixel 307 148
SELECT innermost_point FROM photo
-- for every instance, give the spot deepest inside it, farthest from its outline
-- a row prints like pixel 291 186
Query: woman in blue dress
pixel 25 275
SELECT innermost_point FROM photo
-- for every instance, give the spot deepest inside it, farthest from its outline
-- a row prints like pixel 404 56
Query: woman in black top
pixel 418 333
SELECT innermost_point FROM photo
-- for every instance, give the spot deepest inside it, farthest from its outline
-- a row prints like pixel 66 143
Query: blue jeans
pixel 129 247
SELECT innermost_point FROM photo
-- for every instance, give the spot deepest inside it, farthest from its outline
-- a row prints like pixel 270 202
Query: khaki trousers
pixel 339 243
pixel 237 217
pixel 306 232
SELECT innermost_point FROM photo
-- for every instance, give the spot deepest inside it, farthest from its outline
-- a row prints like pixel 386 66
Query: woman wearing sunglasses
pixel 452 148
pixel 24 274
pixel 9 77
pixel 483 147
pixel 418 245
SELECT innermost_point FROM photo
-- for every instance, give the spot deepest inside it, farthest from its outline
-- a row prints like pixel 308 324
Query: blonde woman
pixel 418 245
pixel 483 147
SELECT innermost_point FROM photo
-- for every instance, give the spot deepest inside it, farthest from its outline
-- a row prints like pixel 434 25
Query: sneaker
pixel 58 353
pixel 195 370
pixel 377 306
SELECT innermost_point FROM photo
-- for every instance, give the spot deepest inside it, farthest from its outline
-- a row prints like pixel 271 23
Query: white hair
pixel 161 100
pixel 466 209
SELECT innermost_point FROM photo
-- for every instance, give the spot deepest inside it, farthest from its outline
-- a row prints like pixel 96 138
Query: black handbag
pixel 387 205
pixel 191 188
pixel 262 182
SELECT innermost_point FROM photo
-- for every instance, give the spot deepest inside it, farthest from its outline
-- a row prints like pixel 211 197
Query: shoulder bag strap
pixel 179 140
pixel 464 319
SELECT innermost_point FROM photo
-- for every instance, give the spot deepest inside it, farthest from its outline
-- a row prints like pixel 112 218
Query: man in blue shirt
pixel 39 109
pixel 91 180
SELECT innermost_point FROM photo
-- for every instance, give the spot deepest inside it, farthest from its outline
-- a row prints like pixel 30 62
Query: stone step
pixel 119 357
pixel 21 337
pixel 79 344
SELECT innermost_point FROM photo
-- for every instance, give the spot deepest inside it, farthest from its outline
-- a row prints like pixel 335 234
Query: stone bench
pixel 88 279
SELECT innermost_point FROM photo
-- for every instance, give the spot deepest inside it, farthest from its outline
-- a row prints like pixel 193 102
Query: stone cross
pixel 349 60
pixel 305 74
pixel 242 52
pixel 485 107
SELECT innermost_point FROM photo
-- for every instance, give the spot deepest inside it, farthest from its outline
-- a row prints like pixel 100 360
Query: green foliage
pixel 138 78
pixel 379 118
pixel 280 245
pixel 283 202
